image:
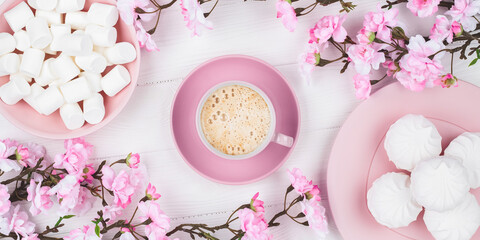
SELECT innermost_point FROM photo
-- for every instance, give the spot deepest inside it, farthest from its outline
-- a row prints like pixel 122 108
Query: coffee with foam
pixel 235 119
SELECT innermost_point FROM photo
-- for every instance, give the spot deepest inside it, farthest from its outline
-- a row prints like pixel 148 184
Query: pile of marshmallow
pixel 57 57
pixel 440 184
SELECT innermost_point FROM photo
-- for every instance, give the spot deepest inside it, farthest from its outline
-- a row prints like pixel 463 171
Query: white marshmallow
pixel 115 80
pixel 46 75
pixel 58 32
pixel 65 6
pixel 29 79
pixel 45 5
pixel 121 53
pixel 94 62
pixel 78 20
pixel 51 16
pixel 32 62
pixel 16 89
pixel 39 33
pixel 77 44
pixel 76 90
pixel 9 63
pixel 58 83
pixel 94 80
pixel 64 68
pixel 49 100
pixel 72 116
pixel 49 51
pixel 36 90
pixel 102 36
pixel 22 40
pixel 7 43
pixel 94 109
pixel 18 17
pixel 103 14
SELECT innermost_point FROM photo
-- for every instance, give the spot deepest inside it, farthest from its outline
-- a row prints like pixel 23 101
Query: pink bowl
pixel 26 118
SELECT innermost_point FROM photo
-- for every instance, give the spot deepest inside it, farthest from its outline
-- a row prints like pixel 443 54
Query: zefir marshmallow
pixel 39 33
pixel 65 6
pixel 121 53
pixel 49 100
pixel 22 40
pixel 46 75
pixel 102 36
pixel 58 32
pixel 72 116
pixel 76 90
pixel 32 61
pixel 35 91
pixel 9 63
pixel 51 16
pixel 94 80
pixel 16 89
pixel 115 80
pixel 7 43
pixel 94 109
pixel 64 68
pixel 77 44
pixel 103 14
pixel 78 20
pixel 45 5
pixel 94 62
pixel 18 17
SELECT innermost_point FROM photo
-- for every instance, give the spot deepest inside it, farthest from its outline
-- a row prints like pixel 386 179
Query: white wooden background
pixel 240 27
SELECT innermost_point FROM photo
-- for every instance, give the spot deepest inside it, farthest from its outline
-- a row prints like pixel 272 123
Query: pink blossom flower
pixel 457 28
pixel 39 198
pixel 126 9
pixel 86 174
pixel 16 221
pixel 308 60
pixel 379 22
pixel 417 69
pixel 193 15
pixel 365 37
pixel 151 192
pixel 85 202
pixel 423 8
pixel 133 160
pixel 67 191
pixel 31 237
pixel 111 212
pixel 463 12
pixel 85 233
pixel 362 86
pixel 4 199
pixel 76 156
pixel 145 39
pixel 287 13
pixel 315 215
pixel 121 185
pixel 391 67
pixel 447 80
pixel 441 30
pixel 160 224
pixel 254 226
pixel 330 27
pixel 22 154
pixel 7 149
pixel 35 152
pixel 299 182
pixel 364 58
pixel 257 205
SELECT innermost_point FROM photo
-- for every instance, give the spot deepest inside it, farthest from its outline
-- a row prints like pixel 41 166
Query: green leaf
pixel 58 222
pixel 473 62
pixel 478 53
pixel 68 216
pixel 97 230
pixel 289 1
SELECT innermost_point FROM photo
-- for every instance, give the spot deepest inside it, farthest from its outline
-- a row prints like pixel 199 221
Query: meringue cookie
pixel 411 139
pixel 391 202
pixel 439 184
pixel 466 148
pixel 459 223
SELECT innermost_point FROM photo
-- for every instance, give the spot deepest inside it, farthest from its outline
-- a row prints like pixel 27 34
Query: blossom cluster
pixel 382 45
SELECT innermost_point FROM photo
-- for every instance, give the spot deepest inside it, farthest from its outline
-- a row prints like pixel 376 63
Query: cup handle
pixel 283 140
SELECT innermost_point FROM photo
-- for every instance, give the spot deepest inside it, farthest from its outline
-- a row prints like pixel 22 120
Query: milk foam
pixel 235 119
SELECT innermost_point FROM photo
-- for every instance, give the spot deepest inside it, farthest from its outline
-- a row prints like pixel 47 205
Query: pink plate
pixel 24 117
pixel 211 73
pixel 358 157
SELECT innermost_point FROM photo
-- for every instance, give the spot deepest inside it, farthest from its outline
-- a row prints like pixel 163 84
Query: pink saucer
pixel 203 78
pixel 24 117
pixel 358 157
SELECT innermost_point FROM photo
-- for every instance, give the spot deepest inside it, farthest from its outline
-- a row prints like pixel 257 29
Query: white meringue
pixel 466 148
